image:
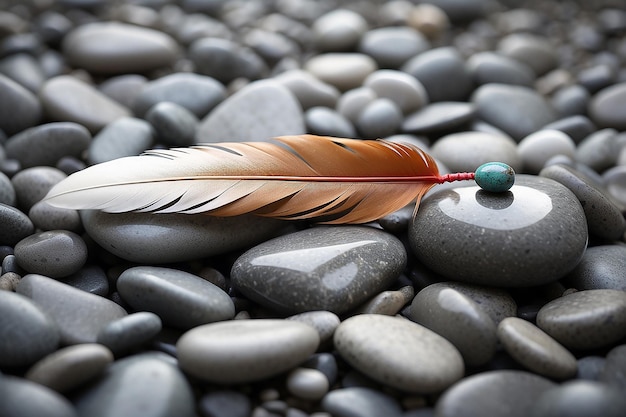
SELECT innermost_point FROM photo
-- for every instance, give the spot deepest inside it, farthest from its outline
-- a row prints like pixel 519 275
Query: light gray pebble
pixel 240 351
pixel 490 67
pixel 602 267
pixel 439 117
pixel 380 118
pixel 55 253
pixel 362 402
pixel 32 184
pixel 599 150
pixel 392 46
pixel 28 333
pixel 180 299
pixel 580 399
pixel 388 302
pixel 20 107
pixel 338 30
pixel 328 122
pixel 15 225
pixel 225 403
pixel 308 384
pixel 137 379
pixel 91 279
pixel 70 367
pixel 382 347
pixel 95 311
pixel 41 401
pixel 345 70
pixel 537 148
pixel 606 107
pixel 47 217
pixel 126 136
pixel 534 349
pixel 174 125
pixel 533 50
pixel 124 89
pixel 586 319
pixel 457 318
pixel 325 322
pixel 129 332
pixel 23 68
pixel 351 103
pixel 7 192
pixel 401 88
pixel 310 91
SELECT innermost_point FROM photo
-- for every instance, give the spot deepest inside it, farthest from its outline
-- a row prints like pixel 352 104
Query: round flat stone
pixel 20 107
pixel 164 238
pixel 148 384
pixel 95 311
pixel 71 367
pixel 56 253
pixel 534 349
pixel 15 225
pixel 28 333
pixel 181 299
pixel 129 332
pixel 323 268
pixel 345 70
pixel 399 87
pixel 607 107
pixel 114 47
pixel 392 46
pixel 399 353
pixel 586 319
pixel 580 399
pixel 457 318
pixel 492 393
pixel 250 114
pixel 126 136
pixel 533 234
pixel 602 267
pixel 362 402
pixel 438 117
pixel 537 148
pixel 21 397
pixel 245 350
pixel 308 384
pixel 338 30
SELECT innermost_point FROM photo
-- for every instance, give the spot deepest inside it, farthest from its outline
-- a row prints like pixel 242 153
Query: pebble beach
pixel 477 304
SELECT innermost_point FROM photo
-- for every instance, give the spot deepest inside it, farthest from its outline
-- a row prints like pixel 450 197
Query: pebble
pixel 310 91
pixel 239 351
pixel 590 367
pixel 604 218
pixel 404 90
pixel 577 127
pixel 324 121
pixel 147 238
pixel 579 399
pixel 91 279
pixel 323 268
pixel 9 281
pixel 326 364
pixel 21 397
pixel 55 253
pixel 95 311
pixel 67 98
pixel 388 302
pixel 439 117
pixel 32 184
pixel 225 403
pixel 338 30
pixel 114 48
pixel 138 379
pixel 601 267
pixel 380 118
pixel 308 384
pixel 31 332
pixel 460 320
pixel 7 192
pixel 250 114
pixel 325 322
pixel 20 107
pixel 533 50
pixel 518 111
pixel 15 225
pixel 599 150
pixel 586 319
pixel 490 67
pixel 606 107
pixel 443 73
pixel 463 11
pixel 362 402
pixel 127 136
pixel 47 217
pixel 537 148
pixel 174 125
pixel 130 332
pixel 180 299
pixel 197 93
pixel 352 102
pixel 614 370
pixel 484 394
pixel 534 349
pixel 343 70
pixel 124 89
pixel 382 347
pixel 71 367
pixel 466 151
pixel 24 69
pixel 392 46
pixel 46 144
pixel 571 100
pixel 534 234
pixel 615 182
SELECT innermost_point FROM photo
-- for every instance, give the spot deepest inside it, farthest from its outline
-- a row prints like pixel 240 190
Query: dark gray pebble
pixel 326 364
pixel 47 217
pixel 126 136
pixel 571 100
pixel 55 253
pixel 380 118
pixel 577 127
pixel 124 89
pixel 7 192
pixel 328 122
pixel 32 184
pixel 21 397
pixel 129 332
pixel 91 279
pixel 24 69
pixel 20 107
pixel 491 67
pixel 601 267
pixel 600 149
pixel 580 399
pixel 590 367
pixel 360 402
pixel 225 403
pixel 174 125
pixel 438 117
pixel 15 225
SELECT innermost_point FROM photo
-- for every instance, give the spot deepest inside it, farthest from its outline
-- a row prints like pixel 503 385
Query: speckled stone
pixel 483 394
pixel 47 217
pixel 323 268
pixel 25 398
pixel 399 353
pixel 362 402
pixel 533 234
pixel 439 117
pixel 32 184
pixel 602 267
pixel 580 399
pixel 129 332
pixel 457 318
pixel 586 319
pixel 56 253
pixel 15 225
pixel 534 349
pixel 345 70
pixel 239 351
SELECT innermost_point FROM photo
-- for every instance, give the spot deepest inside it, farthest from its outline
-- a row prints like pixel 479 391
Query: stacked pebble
pixel 482 304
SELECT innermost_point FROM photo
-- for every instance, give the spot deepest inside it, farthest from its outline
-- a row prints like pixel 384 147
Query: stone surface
pixel 20 107
pixel 439 117
pixel 324 268
pixel 47 217
pixel 32 184
pixel 126 136
pixel 535 51
pixel 15 225
pixel 614 370
pixel 56 253
pixel 404 90
pixel 325 322
pixel 7 192
pixel 579 399
pixel 490 67
pixel 470 223
pixel 310 91
pixel 180 299
pixel 601 267
pixel 328 122
pixel 174 125
pixel 308 384
pixel 607 106
pixel 352 103
pixel 388 302
pixel 344 70
pixel 586 319
pixel 245 350
pixel 362 402
pixel 379 119
pixel 91 279
pixel 537 148
pixel 338 30
pixel 599 150
pixel 26 398
pixel 225 403
pixel 399 353
pixel 130 332
pixel 392 46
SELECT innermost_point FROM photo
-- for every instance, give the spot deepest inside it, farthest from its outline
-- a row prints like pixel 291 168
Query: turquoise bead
pixel 495 177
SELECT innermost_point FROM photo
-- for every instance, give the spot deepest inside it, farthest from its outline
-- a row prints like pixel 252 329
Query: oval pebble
pixel 95 311
pixel 537 148
pixel 392 46
pixel 534 349
pixel 310 91
pixel 129 332
pixel 490 67
pixel 7 192
pixel 56 253
pixel 15 225
pixel 599 149
pixel 535 51
pixel 31 332
pixel 225 403
pixel 586 319
pixel 91 279
pixel 388 302
pixel 614 370
pixel 404 90
pixel 571 100
pixel 382 347
pixel 47 217
pixel 174 125
pixel 458 319
pixel 338 30
pixel 606 107
pixel 328 122
pixel 180 299
pixel 362 402
pixel 124 89
pixel 379 119
pixel 151 385
pixel 21 397
pixel 126 136
pixel 308 384
pixel 20 107
pixel 323 268
pixel 602 267
pixel 352 102
pixel 71 367
pixel 325 322
pixel 540 220
pixel 439 117
pixel 245 350
pixel 345 70
pixel 32 184
pixel 326 364
pixel 580 399
pixel 483 394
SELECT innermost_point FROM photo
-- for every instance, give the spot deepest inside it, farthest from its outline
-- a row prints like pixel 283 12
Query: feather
pixel 293 177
